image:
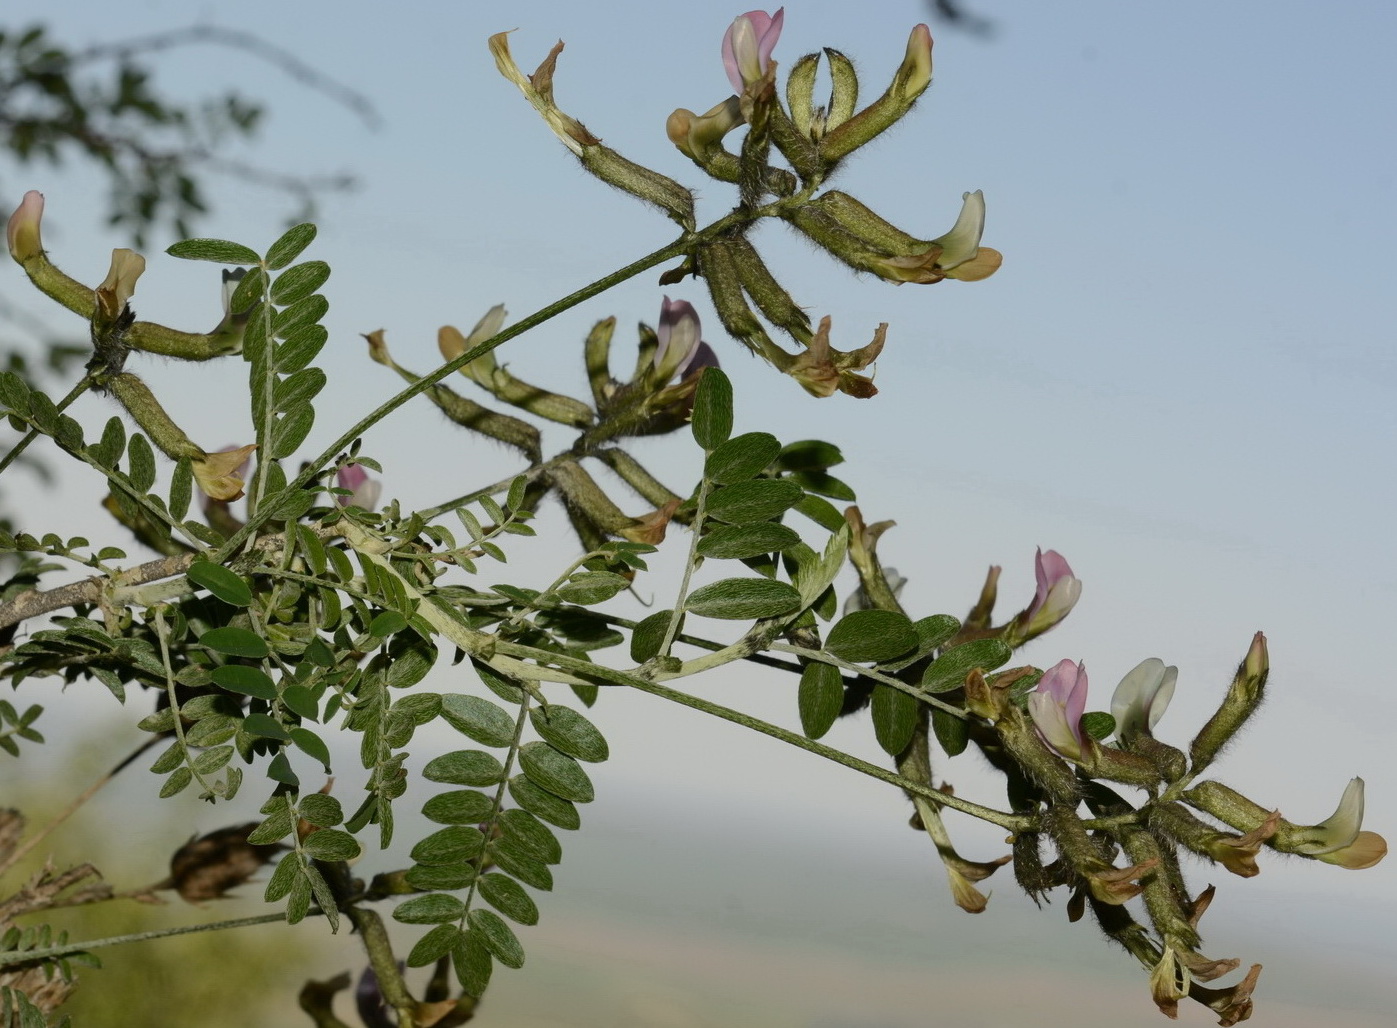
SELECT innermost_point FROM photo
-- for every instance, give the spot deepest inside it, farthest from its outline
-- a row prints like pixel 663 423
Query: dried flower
pixel 1169 982
pixel 218 473
pixel 207 866
pixel 120 284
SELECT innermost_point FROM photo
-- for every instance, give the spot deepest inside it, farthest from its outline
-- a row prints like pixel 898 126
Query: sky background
pixel 1182 379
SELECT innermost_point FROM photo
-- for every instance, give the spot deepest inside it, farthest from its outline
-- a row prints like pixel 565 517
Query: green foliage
pixel 318 613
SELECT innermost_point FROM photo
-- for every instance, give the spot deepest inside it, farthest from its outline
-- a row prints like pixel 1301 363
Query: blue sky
pixel 1182 378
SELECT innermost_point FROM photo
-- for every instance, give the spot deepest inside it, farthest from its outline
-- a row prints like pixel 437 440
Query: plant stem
pixel 14 958
pixel 83 385
pixel 72 808
pixel 1011 822
pixel 667 252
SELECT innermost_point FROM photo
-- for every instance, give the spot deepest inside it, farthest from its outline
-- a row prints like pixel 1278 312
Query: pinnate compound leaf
pixel 508 897
pixel 470 959
pixel 249 681
pixel 236 642
pixel 227 585
pixel 747 503
pixel 741 458
pixel 739 541
pixel 712 418
pixel 331 844
pixel 894 718
pixel 465 767
pixel 474 716
pixel 434 945
pixel 820 698
pixel 871 635
pixel 433 908
pixel 555 771
pixel 498 937
pixel 948 671
pixel 742 599
pixel 567 730
pixel 543 804
pixel 220 251
pixel 290 246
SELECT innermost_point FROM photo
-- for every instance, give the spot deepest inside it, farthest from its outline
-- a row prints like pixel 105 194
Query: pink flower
pixel 1057 706
pixel 748 44
pixel 1058 592
pixel 364 491
pixel 22 231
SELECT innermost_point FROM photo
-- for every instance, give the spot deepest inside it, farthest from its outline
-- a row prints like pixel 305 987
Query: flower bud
pixel 909 82
pixel 22 234
pixel 700 137
pixel 22 231
pixel 1243 698
pixel 487 373
pixel 602 161
pixel 980 614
